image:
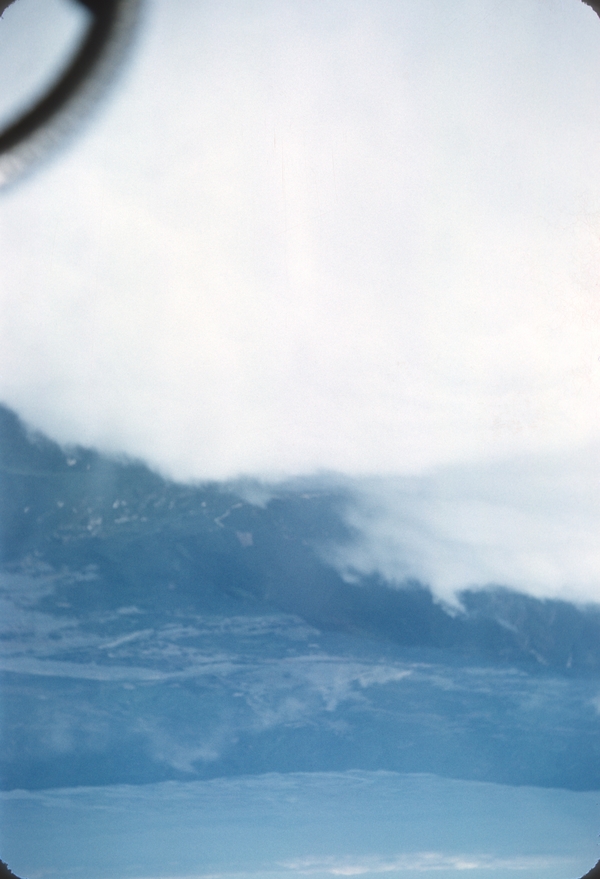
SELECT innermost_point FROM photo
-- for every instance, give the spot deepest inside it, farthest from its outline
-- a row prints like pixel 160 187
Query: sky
pixel 383 824
pixel 334 237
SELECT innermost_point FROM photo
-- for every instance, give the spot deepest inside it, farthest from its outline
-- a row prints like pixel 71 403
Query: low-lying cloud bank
pixel 529 523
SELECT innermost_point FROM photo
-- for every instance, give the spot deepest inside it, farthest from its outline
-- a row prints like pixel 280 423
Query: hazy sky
pixel 346 236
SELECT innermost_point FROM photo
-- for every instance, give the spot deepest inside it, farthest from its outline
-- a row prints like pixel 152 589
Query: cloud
pixel 418 862
pixel 296 690
pixel 330 236
pixel 529 523
pixel 319 236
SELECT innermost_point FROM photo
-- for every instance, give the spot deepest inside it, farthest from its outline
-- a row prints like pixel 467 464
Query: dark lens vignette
pixel 60 111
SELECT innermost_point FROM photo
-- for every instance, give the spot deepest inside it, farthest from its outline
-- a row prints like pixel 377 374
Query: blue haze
pixel 184 657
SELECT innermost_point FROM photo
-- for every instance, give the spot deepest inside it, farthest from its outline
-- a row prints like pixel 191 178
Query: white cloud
pixel 320 236
pixel 417 862
pixel 335 236
pixel 529 523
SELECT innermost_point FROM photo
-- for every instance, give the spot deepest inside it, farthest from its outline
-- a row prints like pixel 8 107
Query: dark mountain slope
pixel 164 546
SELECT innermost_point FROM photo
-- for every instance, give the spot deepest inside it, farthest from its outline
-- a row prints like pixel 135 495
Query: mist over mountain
pixel 153 630
pixel 162 545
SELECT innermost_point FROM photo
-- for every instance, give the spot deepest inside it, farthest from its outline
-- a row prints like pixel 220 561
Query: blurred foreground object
pixel 594 873
pixel 4 4
pixel 27 139
pixel 5 871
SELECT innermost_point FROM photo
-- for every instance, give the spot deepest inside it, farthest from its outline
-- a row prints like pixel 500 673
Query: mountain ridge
pixel 74 508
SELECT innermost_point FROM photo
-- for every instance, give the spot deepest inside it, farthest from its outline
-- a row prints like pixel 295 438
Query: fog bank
pixel 330 236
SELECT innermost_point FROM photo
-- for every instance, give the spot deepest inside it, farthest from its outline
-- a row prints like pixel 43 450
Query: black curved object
pixel 595 4
pixel 5 871
pixel 38 129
